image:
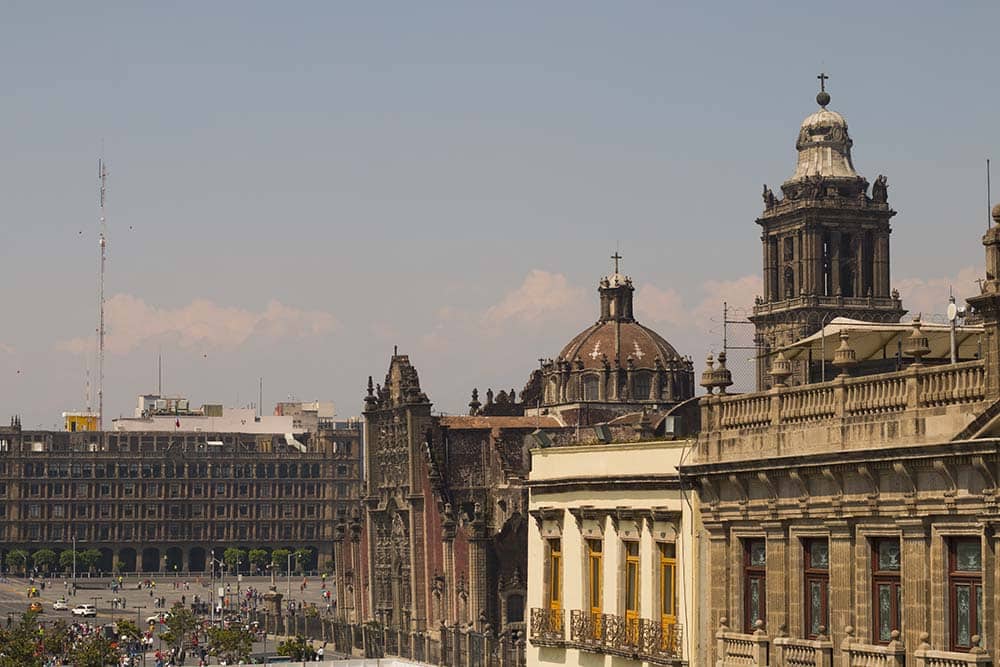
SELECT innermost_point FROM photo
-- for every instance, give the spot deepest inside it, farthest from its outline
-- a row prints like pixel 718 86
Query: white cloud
pixel 669 307
pixel 132 322
pixel 541 296
pixel 930 295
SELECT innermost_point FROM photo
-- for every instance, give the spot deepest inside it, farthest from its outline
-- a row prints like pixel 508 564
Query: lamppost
pixel 222 578
pixel 74 561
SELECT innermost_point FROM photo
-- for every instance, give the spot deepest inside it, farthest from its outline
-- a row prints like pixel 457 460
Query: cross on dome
pixel 616 257
pixel 823 97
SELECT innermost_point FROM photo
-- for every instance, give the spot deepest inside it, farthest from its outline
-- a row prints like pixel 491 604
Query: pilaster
pixel 840 595
pixel 776 536
pixel 915 573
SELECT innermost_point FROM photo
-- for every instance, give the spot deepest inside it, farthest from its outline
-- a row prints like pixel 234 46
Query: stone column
pixel 449 612
pixel 859 264
pixel 477 565
pixel 881 278
pixel 991 584
pixel 776 536
pixel 718 598
pixel 766 262
pixel 840 598
pixel 835 286
pixel 915 562
pixel 819 282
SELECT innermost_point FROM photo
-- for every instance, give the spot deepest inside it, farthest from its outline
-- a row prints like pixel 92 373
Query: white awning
pixel 875 340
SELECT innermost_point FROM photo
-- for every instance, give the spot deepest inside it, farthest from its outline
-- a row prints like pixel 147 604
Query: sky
pixel 295 188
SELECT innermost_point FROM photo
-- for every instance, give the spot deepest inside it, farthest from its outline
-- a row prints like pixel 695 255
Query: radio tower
pixel 102 175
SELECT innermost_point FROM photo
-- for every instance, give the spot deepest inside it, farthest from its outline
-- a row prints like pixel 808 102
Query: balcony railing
pixel 944 394
pixel 855 653
pixel 547 626
pixel 803 652
pixel 925 656
pixel 630 637
pixel 736 649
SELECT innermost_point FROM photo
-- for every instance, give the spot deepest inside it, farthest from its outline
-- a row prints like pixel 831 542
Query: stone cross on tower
pixel 822 97
pixel 616 257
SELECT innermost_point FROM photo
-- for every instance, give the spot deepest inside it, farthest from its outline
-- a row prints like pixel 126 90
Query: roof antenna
pixel 102 176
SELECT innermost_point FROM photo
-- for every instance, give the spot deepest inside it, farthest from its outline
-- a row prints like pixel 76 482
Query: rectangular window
pixel 555 575
pixel 965 588
pixel 816 563
pixel 632 591
pixel 668 597
pixel 754 583
pixel 595 563
pixel 886 589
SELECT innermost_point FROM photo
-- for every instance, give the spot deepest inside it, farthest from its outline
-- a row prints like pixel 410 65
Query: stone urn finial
pixel 917 345
pixel 781 370
pixel 723 376
pixel 708 375
pixel 844 356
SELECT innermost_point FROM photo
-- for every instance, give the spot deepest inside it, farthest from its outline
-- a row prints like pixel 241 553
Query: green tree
pixel 17 559
pixel 257 558
pixel 95 651
pixel 297 648
pixel 127 629
pixel 19 643
pixel 181 622
pixel 302 557
pixel 88 559
pixel 66 560
pixel 329 566
pixel 279 558
pixel 232 557
pixel 44 559
pixel 230 644
pixel 55 641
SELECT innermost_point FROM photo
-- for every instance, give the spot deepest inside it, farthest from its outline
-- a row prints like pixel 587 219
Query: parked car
pixel 60 604
pixel 35 607
pixel 85 610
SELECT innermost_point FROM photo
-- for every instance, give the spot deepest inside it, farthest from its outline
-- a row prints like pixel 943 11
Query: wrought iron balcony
pixel 548 626
pixel 637 638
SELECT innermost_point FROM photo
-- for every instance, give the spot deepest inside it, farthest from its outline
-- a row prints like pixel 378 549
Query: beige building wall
pixel 615 493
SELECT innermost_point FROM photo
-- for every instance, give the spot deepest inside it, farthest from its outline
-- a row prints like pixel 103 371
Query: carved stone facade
pixel 445 510
pixel 856 521
pixel 825 245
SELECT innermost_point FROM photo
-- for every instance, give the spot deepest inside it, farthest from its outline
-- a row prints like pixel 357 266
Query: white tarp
pixel 873 340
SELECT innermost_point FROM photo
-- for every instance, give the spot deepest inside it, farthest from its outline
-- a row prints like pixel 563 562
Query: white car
pixel 60 604
pixel 159 618
pixel 85 610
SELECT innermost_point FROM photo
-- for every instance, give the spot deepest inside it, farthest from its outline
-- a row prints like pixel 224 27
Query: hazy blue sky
pixel 295 187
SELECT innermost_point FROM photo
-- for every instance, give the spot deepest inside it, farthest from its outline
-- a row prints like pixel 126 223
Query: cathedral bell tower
pixel 825 244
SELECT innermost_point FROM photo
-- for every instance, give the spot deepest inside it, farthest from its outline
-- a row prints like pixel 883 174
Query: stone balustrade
pixel 802 652
pixel 918 405
pixel 736 649
pixel 856 654
pixel 925 656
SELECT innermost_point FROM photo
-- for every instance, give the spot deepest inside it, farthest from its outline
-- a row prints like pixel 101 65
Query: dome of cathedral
pixel 824 146
pixel 624 340
pixel 616 361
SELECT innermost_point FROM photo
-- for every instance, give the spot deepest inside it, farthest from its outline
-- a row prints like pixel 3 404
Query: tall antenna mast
pixel 102 175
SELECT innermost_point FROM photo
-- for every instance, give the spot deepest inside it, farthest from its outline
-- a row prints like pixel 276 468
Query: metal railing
pixel 547 625
pixel 638 638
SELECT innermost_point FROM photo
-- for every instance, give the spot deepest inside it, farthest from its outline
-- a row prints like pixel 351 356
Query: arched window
pixel 591 388
pixel 642 386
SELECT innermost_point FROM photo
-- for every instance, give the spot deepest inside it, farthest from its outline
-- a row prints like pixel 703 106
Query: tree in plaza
pixel 95 651
pixel 257 558
pixel 44 559
pixel 56 641
pixel 88 559
pixel 301 558
pixel 232 557
pixel 17 559
pixel 329 566
pixel 279 558
pixel 19 643
pixel 230 644
pixel 66 560
pixel 180 622
pixel 297 648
